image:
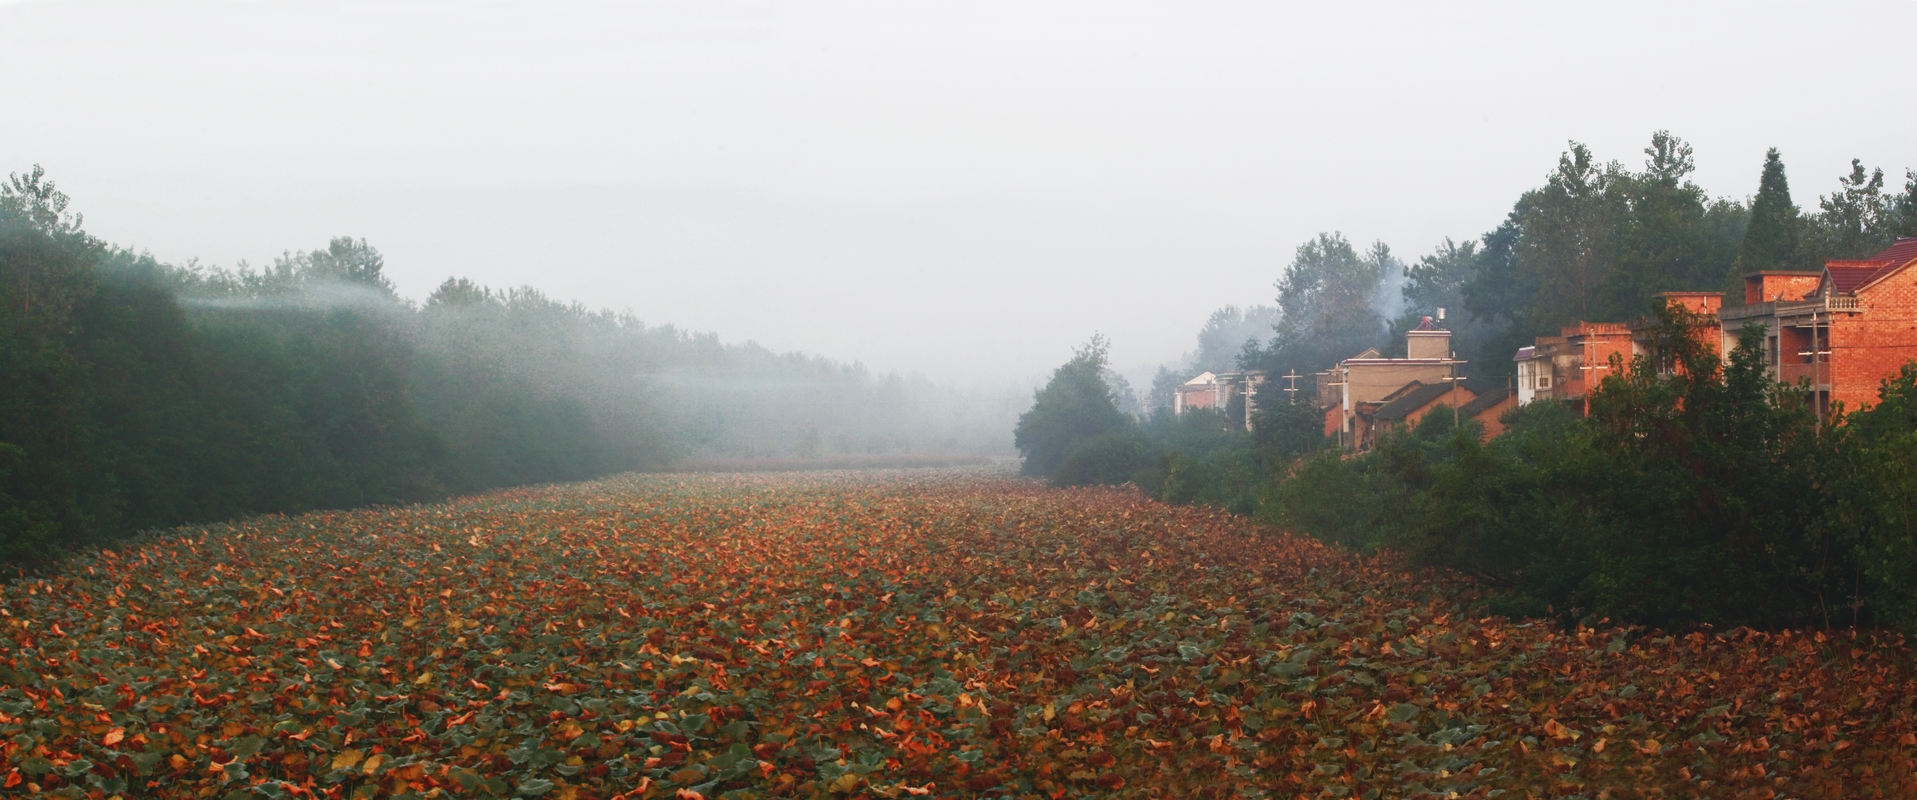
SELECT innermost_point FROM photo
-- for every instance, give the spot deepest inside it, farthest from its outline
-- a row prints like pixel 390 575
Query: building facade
pixel 1353 391
pixel 1569 365
pixel 1838 332
pixel 1218 390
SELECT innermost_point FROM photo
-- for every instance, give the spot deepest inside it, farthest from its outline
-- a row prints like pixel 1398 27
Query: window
pixel 1544 380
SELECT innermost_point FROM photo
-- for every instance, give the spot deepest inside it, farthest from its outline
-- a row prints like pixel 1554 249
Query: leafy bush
pixel 1328 497
pixel 1077 405
pixel 1698 493
pixel 1110 458
pixel 1873 498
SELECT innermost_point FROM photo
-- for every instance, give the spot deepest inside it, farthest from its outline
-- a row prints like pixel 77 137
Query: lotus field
pixel 952 633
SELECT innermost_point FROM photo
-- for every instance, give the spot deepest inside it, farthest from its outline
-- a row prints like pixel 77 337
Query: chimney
pixel 1427 341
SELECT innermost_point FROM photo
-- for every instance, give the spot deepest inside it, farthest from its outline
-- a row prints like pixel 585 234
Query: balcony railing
pixel 1785 308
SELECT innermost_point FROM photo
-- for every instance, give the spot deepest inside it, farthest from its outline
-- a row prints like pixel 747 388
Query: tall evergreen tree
pixel 1775 234
pixel 1904 207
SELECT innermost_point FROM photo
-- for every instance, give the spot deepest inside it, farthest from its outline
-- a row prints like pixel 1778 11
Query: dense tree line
pixel 1706 494
pixel 136 394
pixel 1591 243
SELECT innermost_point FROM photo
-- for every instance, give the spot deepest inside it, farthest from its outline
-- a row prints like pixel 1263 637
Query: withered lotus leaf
pixel 912 633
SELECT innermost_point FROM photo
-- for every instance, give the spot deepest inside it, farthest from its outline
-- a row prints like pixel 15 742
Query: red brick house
pixel 1568 366
pixel 1488 409
pixel 1407 406
pixel 1841 331
pixel 1203 391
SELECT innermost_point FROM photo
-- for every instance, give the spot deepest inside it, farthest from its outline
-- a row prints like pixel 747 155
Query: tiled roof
pixel 1900 253
pixel 1846 276
pixel 1849 276
pixel 1411 401
pixel 1483 403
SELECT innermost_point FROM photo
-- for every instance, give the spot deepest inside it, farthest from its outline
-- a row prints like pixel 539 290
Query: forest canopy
pixel 1594 242
pixel 136 394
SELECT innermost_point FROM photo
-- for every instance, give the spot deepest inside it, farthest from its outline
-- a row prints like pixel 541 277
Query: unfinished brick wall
pixel 1872 345
pixel 1767 287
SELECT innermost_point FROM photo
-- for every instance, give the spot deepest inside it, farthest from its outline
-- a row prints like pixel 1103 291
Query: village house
pixel 1488 409
pixel 1567 366
pixel 1703 304
pixel 1217 390
pixel 1354 393
pixel 1841 331
pixel 1409 405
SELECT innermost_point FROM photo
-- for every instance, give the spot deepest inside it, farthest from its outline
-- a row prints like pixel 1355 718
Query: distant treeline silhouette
pixel 136 394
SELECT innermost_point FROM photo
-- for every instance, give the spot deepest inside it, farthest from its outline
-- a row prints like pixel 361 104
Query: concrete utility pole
pixel 1819 355
pixel 1456 420
pixel 1342 410
pixel 1251 391
pixel 1291 389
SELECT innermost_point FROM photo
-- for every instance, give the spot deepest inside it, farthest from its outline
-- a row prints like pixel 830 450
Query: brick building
pixel 1569 365
pixel 1488 409
pixel 1406 407
pixel 1706 304
pixel 1840 331
pixel 1203 391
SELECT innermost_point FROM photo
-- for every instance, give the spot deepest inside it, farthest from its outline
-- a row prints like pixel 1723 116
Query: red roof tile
pixel 1849 276
pixel 1900 253
pixel 1846 276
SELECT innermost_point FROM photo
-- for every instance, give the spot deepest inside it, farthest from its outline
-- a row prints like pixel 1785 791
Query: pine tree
pixel 1772 240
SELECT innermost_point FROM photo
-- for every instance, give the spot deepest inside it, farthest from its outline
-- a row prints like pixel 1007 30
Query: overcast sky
pixel 964 190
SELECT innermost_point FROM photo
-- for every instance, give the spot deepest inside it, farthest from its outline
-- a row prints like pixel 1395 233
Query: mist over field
pixel 746 399
pixel 963 192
